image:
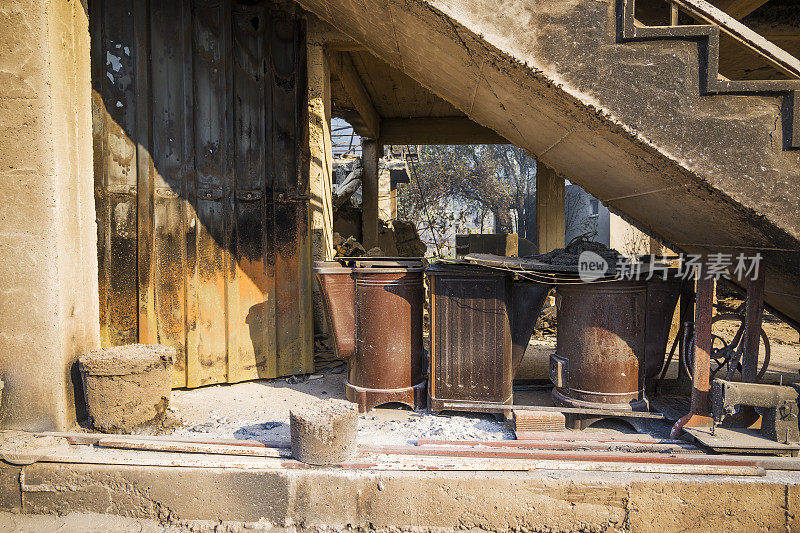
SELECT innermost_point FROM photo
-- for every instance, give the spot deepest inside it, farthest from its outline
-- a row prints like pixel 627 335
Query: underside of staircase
pixel 635 115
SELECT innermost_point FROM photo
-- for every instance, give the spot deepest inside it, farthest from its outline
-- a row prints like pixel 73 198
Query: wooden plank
pixel 370 154
pixel 248 356
pixel 306 329
pixel 97 47
pixel 131 443
pixel 206 335
pixel 573 410
pixel 342 65
pixel 441 130
pixel 169 151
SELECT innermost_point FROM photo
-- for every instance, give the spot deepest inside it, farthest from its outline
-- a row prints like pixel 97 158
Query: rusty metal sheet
pixel 201 184
pixel 172 153
pixel 113 102
pixel 249 351
pixel 290 189
pixel 206 336
pixel 471 343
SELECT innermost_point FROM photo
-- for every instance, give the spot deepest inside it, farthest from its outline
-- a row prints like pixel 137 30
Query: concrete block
pixel 22 72
pixel 324 432
pixel 48 272
pixel 10 488
pixel 163 493
pixel 663 507
pixel 463 500
pixel 127 388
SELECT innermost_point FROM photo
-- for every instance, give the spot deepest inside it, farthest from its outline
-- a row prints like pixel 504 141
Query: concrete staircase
pixel 635 115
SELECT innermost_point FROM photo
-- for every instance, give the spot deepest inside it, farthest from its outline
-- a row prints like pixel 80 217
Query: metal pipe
pixel 494 407
pixel 754 311
pixel 700 411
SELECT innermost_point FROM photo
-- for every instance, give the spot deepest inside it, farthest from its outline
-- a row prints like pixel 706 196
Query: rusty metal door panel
pixel 113 103
pixel 171 150
pixel 202 187
pixel 292 247
pixel 251 318
pixel 206 335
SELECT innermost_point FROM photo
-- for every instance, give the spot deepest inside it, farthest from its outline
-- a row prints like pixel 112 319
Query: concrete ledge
pixel 538 500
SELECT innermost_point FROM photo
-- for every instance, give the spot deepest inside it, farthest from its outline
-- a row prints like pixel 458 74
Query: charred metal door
pixel 201 184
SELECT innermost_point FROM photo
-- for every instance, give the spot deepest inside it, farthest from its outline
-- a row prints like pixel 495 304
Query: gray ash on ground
pixel 569 255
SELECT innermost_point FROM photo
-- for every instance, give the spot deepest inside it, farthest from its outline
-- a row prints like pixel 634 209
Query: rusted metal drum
pixel 338 294
pixel 662 298
pixel 389 360
pixel 600 346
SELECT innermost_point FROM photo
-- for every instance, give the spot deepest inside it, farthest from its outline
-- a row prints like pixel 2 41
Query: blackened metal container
pixel 477 335
pixel 662 298
pixel 600 346
pixel 388 363
pixel 527 299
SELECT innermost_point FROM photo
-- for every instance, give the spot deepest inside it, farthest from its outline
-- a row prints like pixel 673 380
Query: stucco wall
pixel 48 257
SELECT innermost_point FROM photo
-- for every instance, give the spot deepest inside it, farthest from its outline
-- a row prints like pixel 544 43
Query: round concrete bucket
pixel 128 387
pixel 324 432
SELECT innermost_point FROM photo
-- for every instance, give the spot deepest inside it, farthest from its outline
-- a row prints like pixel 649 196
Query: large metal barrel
pixel 600 346
pixel 389 359
pixel 662 298
pixel 338 295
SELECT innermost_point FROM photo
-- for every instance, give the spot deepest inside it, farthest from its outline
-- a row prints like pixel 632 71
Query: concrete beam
pixel 342 65
pixel 335 498
pixel 739 9
pixel 549 209
pixel 437 130
pixel 49 308
pixel 370 154
pixel 322 33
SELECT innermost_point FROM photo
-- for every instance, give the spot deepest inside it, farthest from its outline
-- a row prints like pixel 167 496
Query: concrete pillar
pixel 384 195
pixel 321 165
pixel 549 209
pixel 49 311
pixel 319 138
pixel 370 153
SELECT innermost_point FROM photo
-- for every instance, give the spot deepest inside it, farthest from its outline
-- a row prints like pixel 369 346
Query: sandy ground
pixel 260 409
